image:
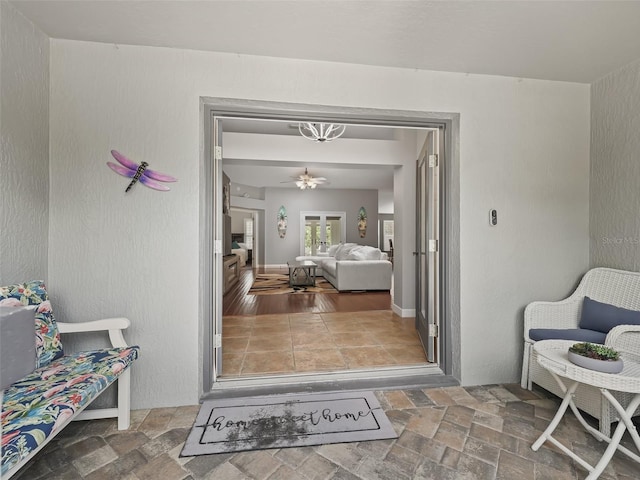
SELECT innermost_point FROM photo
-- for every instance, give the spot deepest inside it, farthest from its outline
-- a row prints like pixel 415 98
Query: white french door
pixel 428 245
pixel 320 230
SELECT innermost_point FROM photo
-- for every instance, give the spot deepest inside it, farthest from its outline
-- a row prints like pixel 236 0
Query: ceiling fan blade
pixel 319 179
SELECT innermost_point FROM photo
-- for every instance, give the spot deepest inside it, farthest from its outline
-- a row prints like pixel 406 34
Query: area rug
pixel 280 421
pixel 278 283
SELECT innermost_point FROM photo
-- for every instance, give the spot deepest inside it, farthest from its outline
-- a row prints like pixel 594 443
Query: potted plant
pixel 595 357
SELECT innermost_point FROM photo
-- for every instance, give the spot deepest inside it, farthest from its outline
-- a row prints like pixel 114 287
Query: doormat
pixel 281 421
pixel 278 283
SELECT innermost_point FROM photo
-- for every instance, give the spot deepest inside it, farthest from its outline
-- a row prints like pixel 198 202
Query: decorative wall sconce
pixel 282 222
pixel 362 222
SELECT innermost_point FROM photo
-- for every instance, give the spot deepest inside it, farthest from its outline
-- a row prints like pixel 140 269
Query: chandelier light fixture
pixel 321 132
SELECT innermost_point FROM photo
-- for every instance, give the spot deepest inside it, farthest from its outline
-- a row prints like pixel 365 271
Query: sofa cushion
pixel 48 344
pixel 331 251
pixel 577 334
pixel 343 251
pixel 44 401
pixel 602 317
pixel 17 343
pixel 364 252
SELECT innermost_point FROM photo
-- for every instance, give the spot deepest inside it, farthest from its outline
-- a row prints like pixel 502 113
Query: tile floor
pixel 311 342
pixel 482 433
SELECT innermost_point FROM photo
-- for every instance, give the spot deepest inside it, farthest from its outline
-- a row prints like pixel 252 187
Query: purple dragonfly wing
pixel 151 184
pixel 124 160
pixel 161 177
pixel 125 172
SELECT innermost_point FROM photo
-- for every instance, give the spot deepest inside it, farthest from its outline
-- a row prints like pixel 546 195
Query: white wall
pixel 524 149
pixel 280 250
pixel 615 170
pixel 24 148
pixel 237 220
pixel 385 202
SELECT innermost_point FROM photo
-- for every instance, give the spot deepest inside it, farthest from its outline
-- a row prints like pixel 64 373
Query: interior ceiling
pixel 273 173
pixel 577 41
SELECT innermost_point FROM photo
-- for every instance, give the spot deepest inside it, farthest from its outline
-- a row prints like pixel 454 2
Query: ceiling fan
pixel 306 181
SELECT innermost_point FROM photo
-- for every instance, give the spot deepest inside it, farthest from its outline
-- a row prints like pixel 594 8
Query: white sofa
pixel 350 267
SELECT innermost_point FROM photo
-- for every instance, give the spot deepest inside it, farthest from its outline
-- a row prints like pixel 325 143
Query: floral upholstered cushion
pixel 48 344
pixel 44 401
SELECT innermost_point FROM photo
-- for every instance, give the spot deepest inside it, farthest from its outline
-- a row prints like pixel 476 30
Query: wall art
pixel 362 222
pixel 141 173
pixel 226 198
pixel 282 221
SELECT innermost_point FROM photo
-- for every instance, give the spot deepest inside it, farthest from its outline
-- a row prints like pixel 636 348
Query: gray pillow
pixel 17 343
pixel 602 317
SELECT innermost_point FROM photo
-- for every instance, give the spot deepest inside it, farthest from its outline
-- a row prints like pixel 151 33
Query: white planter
pixel 605 366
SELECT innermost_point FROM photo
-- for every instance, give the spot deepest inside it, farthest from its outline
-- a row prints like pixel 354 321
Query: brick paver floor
pixel 482 432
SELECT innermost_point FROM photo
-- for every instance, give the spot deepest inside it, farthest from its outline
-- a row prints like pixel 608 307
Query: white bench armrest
pixel 113 325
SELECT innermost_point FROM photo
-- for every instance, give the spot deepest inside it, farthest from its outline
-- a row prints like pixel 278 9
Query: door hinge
pixel 218 152
pixel 433 330
pixel 218 340
pixel 217 246
pixel 433 245
pixel 433 160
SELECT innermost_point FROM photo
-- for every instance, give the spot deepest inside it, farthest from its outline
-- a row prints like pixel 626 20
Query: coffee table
pixel 302 273
pixel 552 355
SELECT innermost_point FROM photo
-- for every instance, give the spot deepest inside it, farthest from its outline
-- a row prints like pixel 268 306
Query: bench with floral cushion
pixel 37 407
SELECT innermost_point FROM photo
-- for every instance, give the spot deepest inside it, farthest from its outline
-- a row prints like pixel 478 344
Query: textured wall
pixel 24 148
pixel 615 170
pixel 524 150
pixel 280 250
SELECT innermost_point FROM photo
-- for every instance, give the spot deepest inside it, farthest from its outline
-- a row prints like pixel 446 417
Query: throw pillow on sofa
pixel 364 252
pixel 602 317
pixel 343 251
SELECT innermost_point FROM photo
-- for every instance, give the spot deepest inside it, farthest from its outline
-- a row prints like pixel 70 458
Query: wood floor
pixel 312 332
pixel 237 302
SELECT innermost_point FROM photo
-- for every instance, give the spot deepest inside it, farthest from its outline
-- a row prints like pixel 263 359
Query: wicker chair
pixel 615 287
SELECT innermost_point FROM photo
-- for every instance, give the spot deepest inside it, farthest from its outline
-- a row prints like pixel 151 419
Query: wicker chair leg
pixel 605 419
pixel 526 357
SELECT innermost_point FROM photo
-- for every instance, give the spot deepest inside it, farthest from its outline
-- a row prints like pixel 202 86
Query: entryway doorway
pixel 315 230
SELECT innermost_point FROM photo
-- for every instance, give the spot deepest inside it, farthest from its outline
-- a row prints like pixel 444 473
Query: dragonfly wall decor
pixel 128 168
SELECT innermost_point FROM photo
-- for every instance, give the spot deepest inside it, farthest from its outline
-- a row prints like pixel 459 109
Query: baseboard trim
pixel 276 265
pixel 403 312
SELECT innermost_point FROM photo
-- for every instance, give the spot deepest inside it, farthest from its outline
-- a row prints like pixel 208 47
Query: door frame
pixel 210 187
